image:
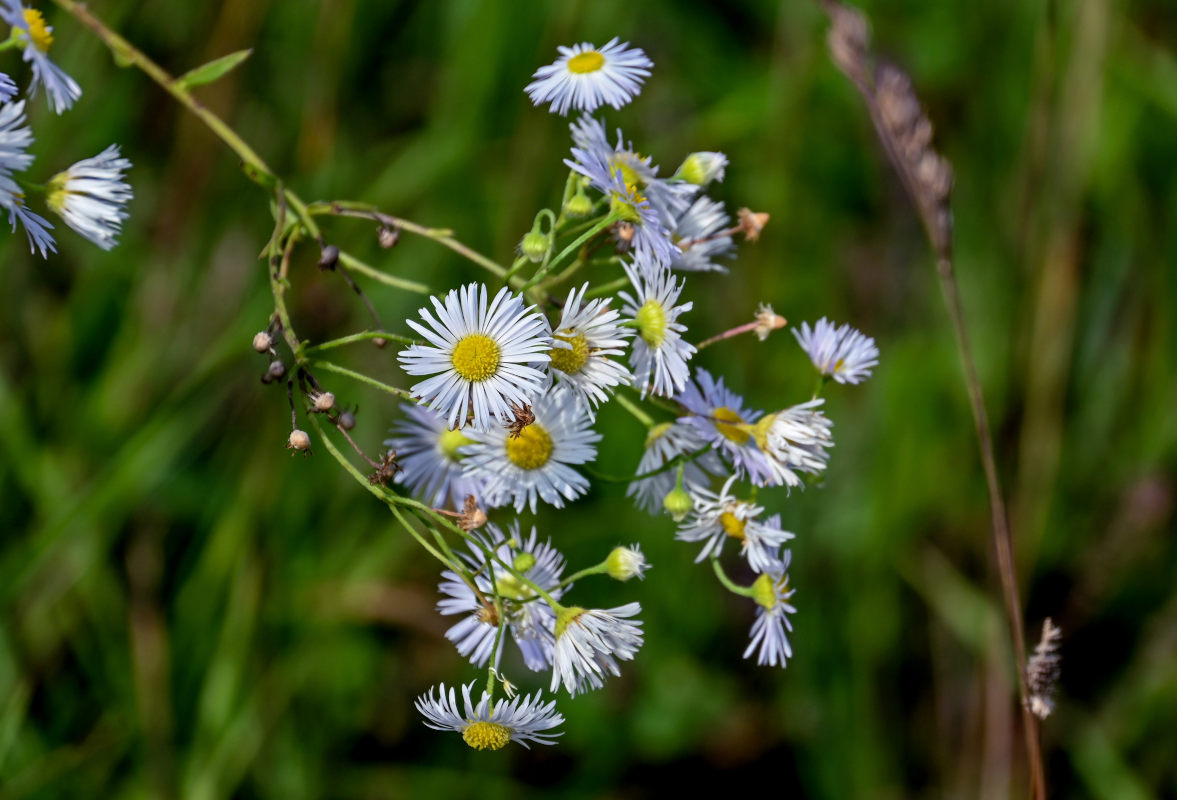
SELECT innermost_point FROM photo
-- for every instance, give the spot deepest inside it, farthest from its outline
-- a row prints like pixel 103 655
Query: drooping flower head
pixel 721 418
pixel 586 335
pixel 795 439
pixel 698 234
pixel 30 25
pixel 702 168
pixel 665 441
pixel 91 196
pixel 660 354
pixel 585 77
pixel 838 352
pixel 719 517
pixel 427 451
pixel 522 719
pixel 15 138
pixel 537 463
pixel 589 642
pixel 530 620
pixel 769 635
pixel 482 358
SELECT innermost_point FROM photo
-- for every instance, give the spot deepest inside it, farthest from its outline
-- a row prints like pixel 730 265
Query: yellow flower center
pixel 449 442
pixel 486 735
pixel 531 449
pixel 571 361
pixel 730 425
pixel 657 432
pixel 566 617
pixel 588 61
pixel 39 33
pixel 733 526
pixel 629 175
pixel 512 588
pixel 476 357
pixel 763 592
pixel 651 320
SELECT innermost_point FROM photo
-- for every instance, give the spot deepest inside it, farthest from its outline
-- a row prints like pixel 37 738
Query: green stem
pixel 362 378
pixel 822 380
pixel 599 569
pixel 634 409
pixel 354 264
pixel 743 591
pixel 571 248
pixel 607 288
pixel 358 337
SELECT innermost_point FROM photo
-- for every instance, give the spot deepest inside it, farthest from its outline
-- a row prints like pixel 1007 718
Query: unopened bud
pixel 388 237
pixel 624 563
pixel 299 441
pixel 579 205
pixel 262 342
pixel 677 503
pixel 328 257
pixel 702 168
pixel 347 420
pixel 323 402
pixel 523 562
pixel 277 370
pixel 535 246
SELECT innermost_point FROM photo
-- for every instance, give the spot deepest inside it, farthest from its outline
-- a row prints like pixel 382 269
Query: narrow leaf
pixel 207 73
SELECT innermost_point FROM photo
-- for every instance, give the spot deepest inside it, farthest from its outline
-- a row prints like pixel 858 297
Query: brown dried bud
pixel 262 342
pixel 624 232
pixel 767 321
pixel 472 517
pixel 328 257
pixel 322 402
pixel 523 418
pixel 276 370
pixel 299 441
pixel 752 223
pixel 347 420
pixel 388 237
pixel 386 471
pixel 381 343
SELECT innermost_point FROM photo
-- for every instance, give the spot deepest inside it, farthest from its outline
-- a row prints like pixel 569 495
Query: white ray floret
pixel 702 168
pixel 91 196
pixel 665 441
pixel 530 621
pixel 660 354
pixel 586 335
pixel 430 458
pixel 589 643
pixel 769 637
pixel 15 138
pixel 485 726
pixel 586 77
pixel 697 233
pixel 30 26
pixel 536 464
pixel 839 352
pixel 718 517
pixel 795 439
pixel 721 418
pixel 483 359
pixel 7 88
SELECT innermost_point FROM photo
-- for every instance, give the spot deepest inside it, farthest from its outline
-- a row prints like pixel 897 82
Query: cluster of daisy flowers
pixel 89 196
pixel 509 382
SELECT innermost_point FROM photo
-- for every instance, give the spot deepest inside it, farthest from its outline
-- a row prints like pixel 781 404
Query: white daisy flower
pixel 695 232
pixel 530 621
pixel 589 644
pixel 486 727
pixel 482 359
pixel 91 195
pixel 720 417
pixel 841 353
pixel 769 634
pixel 536 464
pixel 665 441
pixel 585 335
pixel 428 453
pixel 651 239
pixel 15 138
pixel 586 77
pixel 702 168
pixel 795 440
pixel 30 25
pixel 7 88
pixel 718 517
pixel 660 354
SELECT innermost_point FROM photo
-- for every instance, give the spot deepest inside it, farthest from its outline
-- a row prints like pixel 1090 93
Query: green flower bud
pixel 702 168
pixel 578 205
pixel 524 562
pixel 678 503
pixel 624 563
pixel 535 246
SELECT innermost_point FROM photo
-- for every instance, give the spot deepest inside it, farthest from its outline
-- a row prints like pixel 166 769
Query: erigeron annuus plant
pixel 500 380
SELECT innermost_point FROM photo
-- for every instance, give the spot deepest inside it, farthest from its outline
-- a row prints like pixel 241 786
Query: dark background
pixel 187 611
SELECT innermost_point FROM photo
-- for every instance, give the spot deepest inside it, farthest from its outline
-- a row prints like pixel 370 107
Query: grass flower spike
pixel 485 727
pixel 586 77
pixel 841 353
pixel 38 37
pixel 91 196
pixel 483 359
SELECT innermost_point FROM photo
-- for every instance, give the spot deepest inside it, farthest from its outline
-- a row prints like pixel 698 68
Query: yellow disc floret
pixel 531 449
pixel 651 320
pixel 39 33
pixel 476 357
pixel 733 526
pixel 730 425
pixel 486 735
pixel 588 61
pixel 449 442
pixel 571 361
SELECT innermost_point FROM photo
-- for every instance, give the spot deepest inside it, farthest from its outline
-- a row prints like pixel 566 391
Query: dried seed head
pixel 262 342
pixel 388 237
pixel 386 471
pixel 347 420
pixel 277 370
pixel 849 40
pixel 322 402
pixel 767 321
pixel 523 418
pixel 1042 671
pixel 472 517
pixel 299 441
pixel 752 223
pixel 328 257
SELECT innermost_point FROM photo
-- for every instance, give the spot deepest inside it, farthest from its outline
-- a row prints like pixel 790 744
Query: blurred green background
pixel 187 611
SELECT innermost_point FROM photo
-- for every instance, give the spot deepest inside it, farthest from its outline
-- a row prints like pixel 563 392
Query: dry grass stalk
pixel 1042 671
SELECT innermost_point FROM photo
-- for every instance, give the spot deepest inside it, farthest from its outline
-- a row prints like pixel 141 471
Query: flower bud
pixel 347 420
pixel 677 503
pixel 579 205
pixel 323 402
pixel 388 237
pixel 328 257
pixel 624 563
pixel 535 246
pixel 277 370
pixel 524 562
pixel 262 342
pixel 702 168
pixel 298 441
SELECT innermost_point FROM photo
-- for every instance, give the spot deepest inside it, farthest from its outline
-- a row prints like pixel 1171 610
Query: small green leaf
pixel 207 73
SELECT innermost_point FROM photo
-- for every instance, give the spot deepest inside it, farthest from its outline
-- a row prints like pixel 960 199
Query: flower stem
pixel 571 248
pixel 731 586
